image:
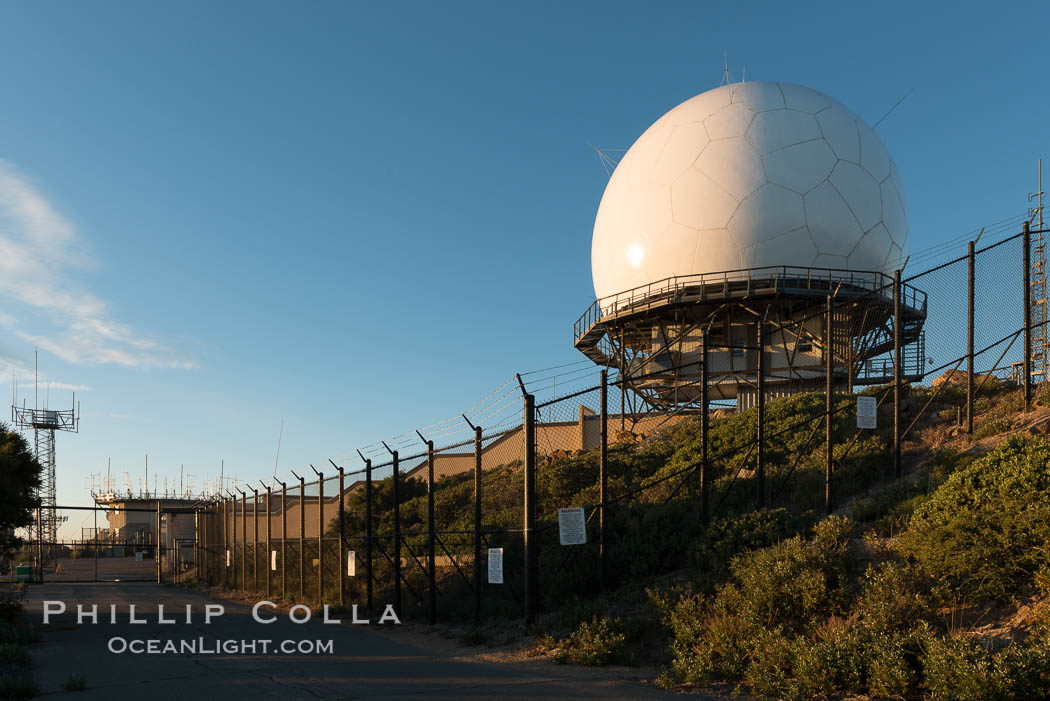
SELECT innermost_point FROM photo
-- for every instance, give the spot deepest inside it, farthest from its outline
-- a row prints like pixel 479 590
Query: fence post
pixel 368 533
pixel 704 409
pixel 828 399
pixel 157 548
pixel 603 480
pixel 40 542
pixel 203 550
pixel 970 300
pixel 760 437
pixel 255 540
pixel 623 382
pixel 244 545
pixel 531 592
pixel 397 536
pixel 225 543
pixel 284 539
pixel 1027 316
pixel 849 367
pixel 342 538
pixel 431 562
pixel 302 537
pixel 320 536
pixel 897 380
pixel 196 545
pixel 477 525
pixel 94 517
pixel 269 547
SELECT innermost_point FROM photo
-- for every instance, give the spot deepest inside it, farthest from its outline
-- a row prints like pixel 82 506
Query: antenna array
pixel 45 422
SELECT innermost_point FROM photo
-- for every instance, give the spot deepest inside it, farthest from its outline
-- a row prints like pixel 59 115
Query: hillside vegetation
pixel 931 585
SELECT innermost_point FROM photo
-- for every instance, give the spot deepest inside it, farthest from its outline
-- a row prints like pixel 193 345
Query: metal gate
pixel 122 544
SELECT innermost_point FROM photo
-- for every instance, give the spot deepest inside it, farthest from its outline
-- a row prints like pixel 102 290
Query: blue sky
pixel 359 218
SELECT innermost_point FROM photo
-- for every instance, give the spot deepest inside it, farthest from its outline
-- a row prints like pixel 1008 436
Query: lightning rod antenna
pixel 279 436
pixel 895 104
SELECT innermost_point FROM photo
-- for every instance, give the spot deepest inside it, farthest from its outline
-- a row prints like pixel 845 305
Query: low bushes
pixel 986 531
pixel 597 642
pixel 16 682
pixel 807 617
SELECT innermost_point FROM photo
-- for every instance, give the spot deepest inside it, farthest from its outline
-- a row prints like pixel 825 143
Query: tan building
pixel 133 520
pixel 556 439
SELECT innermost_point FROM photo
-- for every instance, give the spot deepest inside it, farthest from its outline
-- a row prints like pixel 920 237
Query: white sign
pixel 273 560
pixel 138 556
pixel 867 412
pixel 351 563
pixel 495 565
pixel 572 526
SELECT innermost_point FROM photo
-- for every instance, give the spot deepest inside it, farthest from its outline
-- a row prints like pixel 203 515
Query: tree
pixel 19 480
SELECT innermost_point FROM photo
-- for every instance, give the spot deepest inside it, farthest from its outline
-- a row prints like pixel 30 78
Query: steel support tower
pixel 45 422
pixel 1037 289
pixel 654 335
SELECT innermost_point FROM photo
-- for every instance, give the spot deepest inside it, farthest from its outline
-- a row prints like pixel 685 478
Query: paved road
pixel 86 569
pixel 365 664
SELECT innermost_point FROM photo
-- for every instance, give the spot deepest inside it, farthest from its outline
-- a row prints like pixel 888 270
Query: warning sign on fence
pixel 495 565
pixel 351 563
pixel 867 412
pixel 572 526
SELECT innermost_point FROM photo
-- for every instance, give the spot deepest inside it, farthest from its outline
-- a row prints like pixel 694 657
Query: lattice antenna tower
pixel 45 422
pixel 1040 347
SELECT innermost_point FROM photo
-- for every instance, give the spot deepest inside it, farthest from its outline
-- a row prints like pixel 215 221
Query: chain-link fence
pixel 521 503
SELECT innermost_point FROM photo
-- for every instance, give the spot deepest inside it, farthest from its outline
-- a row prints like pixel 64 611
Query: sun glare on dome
pixel 635 254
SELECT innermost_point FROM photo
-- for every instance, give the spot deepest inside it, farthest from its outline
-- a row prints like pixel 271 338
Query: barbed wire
pixel 501 407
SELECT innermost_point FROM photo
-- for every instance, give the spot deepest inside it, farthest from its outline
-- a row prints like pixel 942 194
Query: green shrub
pixel 889 501
pixel 1042 578
pixel 725 538
pixel 831 659
pixel 992 426
pixel 17 685
pixel 774 588
pixel 961 668
pixel 598 642
pixel 784 583
pixel 892 661
pixel 14 654
pixel 1030 665
pixel 984 532
pixel 770 671
pixel 890 599
pixel 11 604
pixel 74 682
pixel 17 633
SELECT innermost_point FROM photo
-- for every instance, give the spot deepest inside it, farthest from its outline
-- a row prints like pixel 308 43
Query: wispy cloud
pixel 39 252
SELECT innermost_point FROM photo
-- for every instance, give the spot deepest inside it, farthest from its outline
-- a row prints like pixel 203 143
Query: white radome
pixel 744 176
